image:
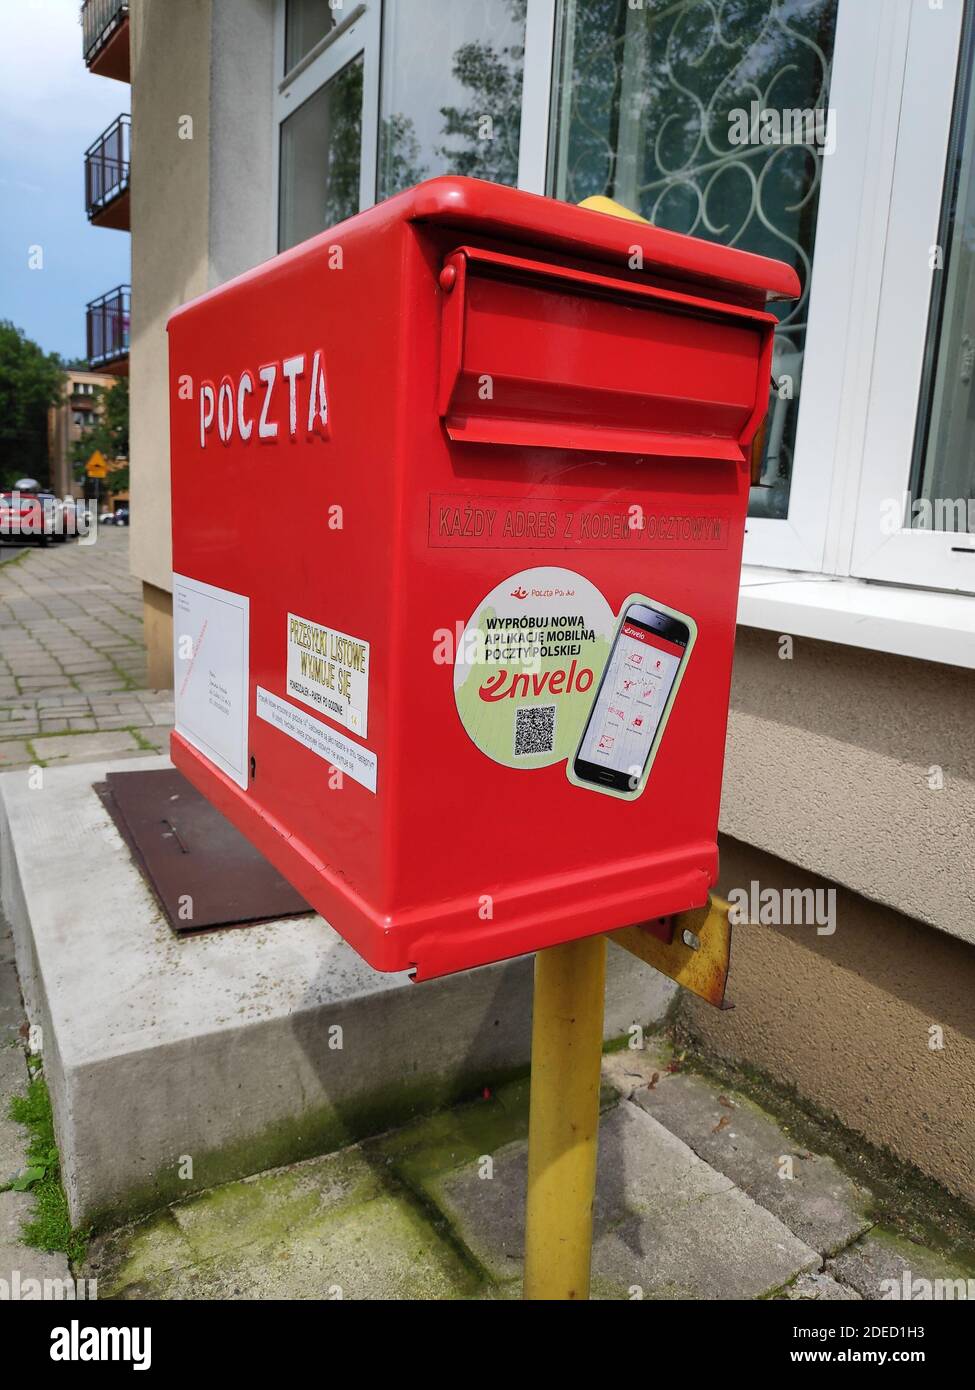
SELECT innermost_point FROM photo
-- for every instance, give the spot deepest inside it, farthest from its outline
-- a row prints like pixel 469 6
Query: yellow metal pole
pixel 563 1124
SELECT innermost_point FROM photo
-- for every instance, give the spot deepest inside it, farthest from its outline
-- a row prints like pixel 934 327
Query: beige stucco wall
pixel 243 212
pixel 202 211
pixel 845 1019
pixel 828 784
pixel 828 764
pixel 170 231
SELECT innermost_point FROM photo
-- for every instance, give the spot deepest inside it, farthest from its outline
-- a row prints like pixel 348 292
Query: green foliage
pixel 30 382
pixel 109 433
pixel 50 1227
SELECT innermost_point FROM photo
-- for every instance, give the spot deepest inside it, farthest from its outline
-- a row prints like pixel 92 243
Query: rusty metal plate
pixel 693 948
pixel 203 872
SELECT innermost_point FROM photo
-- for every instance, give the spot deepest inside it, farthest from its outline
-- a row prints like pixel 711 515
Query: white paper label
pixel 340 752
pixel 210 658
pixel 329 672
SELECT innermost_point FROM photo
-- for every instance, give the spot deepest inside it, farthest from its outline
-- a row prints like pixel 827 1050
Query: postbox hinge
pixel 693 948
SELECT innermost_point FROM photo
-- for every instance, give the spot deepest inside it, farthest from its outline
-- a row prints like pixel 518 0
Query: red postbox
pixel 459 493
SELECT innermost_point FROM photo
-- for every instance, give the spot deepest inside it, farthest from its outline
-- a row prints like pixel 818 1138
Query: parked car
pixel 28 516
pixel 122 516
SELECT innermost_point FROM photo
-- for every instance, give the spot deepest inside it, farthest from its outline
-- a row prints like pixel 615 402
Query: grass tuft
pixel 50 1226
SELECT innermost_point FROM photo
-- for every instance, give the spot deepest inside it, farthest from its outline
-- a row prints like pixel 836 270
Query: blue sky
pixel 51 109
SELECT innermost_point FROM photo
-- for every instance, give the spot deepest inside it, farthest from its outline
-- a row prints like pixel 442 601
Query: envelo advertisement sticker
pixel 527 665
pixel 545 672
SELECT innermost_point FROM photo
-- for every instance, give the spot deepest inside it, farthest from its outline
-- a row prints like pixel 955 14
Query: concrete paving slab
pixel 665 1222
pixel 14 752
pixel 20 1263
pixel 326 1229
pixel 817 1288
pixel 87 747
pixel 806 1191
pixel 884 1265
pixel 13 1082
pixel 11 1006
pixel 240 1050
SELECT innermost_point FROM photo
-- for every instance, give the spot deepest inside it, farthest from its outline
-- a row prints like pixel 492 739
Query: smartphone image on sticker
pixel 626 722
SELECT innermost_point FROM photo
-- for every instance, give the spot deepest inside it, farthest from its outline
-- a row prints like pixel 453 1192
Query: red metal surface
pixel 618 388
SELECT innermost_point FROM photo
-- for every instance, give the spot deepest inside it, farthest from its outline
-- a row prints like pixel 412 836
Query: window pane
pixel 712 120
pixel 943 486
pixel 321 147
pixel 451 100
pixel 306 22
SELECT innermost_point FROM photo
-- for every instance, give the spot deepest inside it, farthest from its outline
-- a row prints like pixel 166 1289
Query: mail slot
pixel 459 493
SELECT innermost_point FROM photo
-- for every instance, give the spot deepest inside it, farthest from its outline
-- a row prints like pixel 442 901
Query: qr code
pixel 534 730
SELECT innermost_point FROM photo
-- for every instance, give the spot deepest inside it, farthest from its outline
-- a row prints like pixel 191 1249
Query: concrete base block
pixel 175 1065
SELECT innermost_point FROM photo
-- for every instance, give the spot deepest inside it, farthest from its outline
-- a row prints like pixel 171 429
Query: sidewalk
pixel 72 668
pixel 72 660
pixel 701 1195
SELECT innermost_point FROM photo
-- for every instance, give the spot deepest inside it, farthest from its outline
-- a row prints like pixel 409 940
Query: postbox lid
pixel 510 214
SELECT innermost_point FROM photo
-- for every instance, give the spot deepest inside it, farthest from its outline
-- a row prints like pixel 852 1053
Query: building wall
pixel 846 1019
pixel 62 431
pixel 200 214
pixel 170 258
pixel 243 227
pixel 830 762
pixel 832 782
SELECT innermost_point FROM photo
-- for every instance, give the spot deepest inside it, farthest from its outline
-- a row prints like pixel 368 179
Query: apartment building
pixel 67 421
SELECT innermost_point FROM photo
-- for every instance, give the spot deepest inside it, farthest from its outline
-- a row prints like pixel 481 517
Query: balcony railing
pixel 108 321
pixel 102 22
pixel 107 172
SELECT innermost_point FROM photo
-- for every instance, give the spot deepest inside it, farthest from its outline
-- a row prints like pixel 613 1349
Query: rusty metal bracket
pixel 693 948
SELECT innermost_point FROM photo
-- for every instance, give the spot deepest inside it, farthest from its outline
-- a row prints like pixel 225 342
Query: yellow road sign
pixel 96 467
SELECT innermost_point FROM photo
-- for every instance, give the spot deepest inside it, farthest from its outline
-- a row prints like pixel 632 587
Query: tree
pixel 109 434
pixel 31 381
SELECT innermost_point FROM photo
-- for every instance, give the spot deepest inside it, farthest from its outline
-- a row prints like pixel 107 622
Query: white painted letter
pixel 267 429
pixel 244 387
pixel 293 368
pixel 207 403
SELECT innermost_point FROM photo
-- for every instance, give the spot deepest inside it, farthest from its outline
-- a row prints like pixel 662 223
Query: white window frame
pixel 933 559
pixel 358 31
pixel 536 95
pixel 867 51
